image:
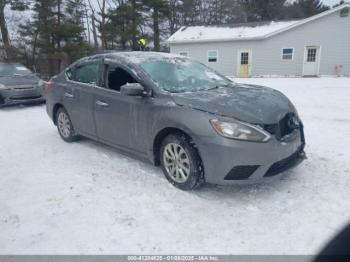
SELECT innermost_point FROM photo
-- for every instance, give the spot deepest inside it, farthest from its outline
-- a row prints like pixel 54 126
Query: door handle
pixel 101 103
pixel 68 95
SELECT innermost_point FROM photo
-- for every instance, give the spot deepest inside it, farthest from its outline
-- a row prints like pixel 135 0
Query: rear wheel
pixel 64 126
pixel 181 163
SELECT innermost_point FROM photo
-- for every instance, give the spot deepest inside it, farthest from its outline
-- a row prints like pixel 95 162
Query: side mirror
pixel 134 89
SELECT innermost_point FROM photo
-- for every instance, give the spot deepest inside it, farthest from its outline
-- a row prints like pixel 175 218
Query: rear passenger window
pixel 87 74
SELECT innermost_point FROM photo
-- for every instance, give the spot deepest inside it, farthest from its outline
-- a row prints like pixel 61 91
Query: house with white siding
pixel 318 45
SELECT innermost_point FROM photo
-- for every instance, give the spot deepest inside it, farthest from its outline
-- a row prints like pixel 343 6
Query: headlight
pixel 3 87
pixel 240 131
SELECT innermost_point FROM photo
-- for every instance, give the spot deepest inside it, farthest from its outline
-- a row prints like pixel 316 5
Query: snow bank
pixel 87 198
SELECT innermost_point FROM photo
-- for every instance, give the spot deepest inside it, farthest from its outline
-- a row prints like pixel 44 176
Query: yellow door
pixel 244 66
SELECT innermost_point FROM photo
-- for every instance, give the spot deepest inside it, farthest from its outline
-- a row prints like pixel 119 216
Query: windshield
pixel 13 70
pixel 178 75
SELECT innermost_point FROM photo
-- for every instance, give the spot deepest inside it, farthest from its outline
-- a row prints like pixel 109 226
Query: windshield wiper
pixel 215 87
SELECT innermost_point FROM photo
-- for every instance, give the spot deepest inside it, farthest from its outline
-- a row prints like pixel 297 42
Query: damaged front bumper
pixel 226 161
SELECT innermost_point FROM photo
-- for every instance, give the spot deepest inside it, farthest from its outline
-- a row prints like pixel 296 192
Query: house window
pixel 311 55
pixel 244 58
pixel 287 53
pixel 212 56
pixel 183 53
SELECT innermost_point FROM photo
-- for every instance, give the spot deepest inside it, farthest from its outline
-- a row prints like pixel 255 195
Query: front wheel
pixel 181 163
pixel 65 126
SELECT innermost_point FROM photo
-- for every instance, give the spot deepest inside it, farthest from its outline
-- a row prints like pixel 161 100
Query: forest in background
pixel 54 33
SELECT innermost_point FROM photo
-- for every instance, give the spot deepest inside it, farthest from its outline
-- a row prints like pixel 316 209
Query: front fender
pixel 192 122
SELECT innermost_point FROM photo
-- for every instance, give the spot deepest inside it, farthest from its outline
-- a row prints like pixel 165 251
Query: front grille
pixel 241 172
pixel 23 87
pixel 282 128
pixel 272 129
pixel 286 163
pixel 25 97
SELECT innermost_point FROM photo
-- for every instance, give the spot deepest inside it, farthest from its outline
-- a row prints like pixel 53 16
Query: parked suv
pixel 18 85
pixel 196 124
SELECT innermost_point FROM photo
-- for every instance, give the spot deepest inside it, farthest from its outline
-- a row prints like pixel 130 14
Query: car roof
pixel 135 57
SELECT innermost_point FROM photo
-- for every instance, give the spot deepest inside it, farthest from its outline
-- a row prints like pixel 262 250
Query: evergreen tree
pixel 55 34
pixel 159 12
pixel 124 24
pixel 264 10
pixel 118 26
pixel 307 8
pixel 75 44
pixel 42 31
pixel 222 12
pixel 340 3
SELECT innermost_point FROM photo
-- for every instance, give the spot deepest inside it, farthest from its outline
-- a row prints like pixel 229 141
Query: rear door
pixel 82 81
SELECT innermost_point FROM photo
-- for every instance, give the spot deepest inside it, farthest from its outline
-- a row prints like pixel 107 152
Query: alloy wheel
pixel 64 124
pixel 176 162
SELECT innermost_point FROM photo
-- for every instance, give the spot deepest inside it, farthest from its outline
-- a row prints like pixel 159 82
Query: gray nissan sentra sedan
pixel 18 85
pixel 177 113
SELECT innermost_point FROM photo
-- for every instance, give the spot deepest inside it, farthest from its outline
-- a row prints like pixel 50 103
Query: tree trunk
pixel 103 25
pixel 94 32
pixel 59 60
pixel 93 25
pixel 134 25
pixel 4 33
pixel 88 25
pixel 156 29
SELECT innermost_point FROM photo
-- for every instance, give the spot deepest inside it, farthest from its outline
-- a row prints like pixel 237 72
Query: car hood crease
pixel 249 103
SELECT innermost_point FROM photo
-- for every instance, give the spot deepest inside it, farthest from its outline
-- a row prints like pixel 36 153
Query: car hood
pixel 249 103
pixel 19 80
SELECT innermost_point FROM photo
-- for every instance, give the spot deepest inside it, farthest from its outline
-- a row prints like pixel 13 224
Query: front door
pixel 244 61
pixel 311 61
pixel 112 117
pixel 120 118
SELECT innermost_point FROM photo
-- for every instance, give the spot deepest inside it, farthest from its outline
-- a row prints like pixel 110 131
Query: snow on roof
pixel 210 33
pixel 248 31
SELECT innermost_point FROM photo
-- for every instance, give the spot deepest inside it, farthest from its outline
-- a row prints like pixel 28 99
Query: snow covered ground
pixel 88 198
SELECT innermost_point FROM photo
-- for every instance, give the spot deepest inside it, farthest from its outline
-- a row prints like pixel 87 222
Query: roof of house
pixel 247 31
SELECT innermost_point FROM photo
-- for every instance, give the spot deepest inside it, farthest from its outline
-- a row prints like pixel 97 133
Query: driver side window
pixel 116 77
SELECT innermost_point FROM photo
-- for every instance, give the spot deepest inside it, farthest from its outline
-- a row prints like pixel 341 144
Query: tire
pixel 181 163
pixel 64 126
pixel 2 102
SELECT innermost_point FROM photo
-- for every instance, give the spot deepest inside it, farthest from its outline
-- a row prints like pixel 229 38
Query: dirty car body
pixel 18 85
pixel 239 132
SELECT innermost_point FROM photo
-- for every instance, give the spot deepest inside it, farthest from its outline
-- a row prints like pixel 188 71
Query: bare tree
pixel 4 31
pixel 99 20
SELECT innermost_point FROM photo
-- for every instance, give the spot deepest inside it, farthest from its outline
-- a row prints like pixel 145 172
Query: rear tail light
pixel 47 87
